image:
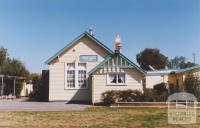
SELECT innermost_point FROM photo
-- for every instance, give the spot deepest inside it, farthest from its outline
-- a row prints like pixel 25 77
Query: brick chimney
pixel 117 44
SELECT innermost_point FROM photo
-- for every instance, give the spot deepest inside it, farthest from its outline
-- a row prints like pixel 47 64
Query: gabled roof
pixel 188 69
pixel 75 41
pixel 130 65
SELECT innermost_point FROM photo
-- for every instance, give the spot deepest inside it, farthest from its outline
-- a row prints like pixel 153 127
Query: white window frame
pixel 78 68
pixel 116 84
pixel 76 76
pixel 66 70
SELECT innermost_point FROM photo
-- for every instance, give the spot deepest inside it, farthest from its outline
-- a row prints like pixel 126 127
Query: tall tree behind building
pixel 180 62
pixel 151 57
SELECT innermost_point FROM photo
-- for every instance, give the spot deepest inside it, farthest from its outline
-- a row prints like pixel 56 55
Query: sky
pixel 34 30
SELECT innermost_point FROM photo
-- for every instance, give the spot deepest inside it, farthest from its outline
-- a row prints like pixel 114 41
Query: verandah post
pixel 2 86
pixel 14 88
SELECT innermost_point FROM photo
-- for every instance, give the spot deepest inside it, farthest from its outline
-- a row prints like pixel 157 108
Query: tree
pixel 151 57
pixel 15 67
pixel 3 55
pixel 3 58
pixel 40 88
pixel 192 85
pixel 11 67
pixel 180 62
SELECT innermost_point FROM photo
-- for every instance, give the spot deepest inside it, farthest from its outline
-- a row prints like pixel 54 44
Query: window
pixel 116 79
pixel 75 76
pixel 82 75
pixel 70 75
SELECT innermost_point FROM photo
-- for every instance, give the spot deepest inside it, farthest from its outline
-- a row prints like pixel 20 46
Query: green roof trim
pixel 74 41
pixel 188 69
pixel 132 65
pixel 103 62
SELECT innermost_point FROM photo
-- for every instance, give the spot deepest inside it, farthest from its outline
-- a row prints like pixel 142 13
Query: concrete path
pixel 15 105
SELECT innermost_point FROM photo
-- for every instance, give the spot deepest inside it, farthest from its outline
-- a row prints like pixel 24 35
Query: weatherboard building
pixel 85 68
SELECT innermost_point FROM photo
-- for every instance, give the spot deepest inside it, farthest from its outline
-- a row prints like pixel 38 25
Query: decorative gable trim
pixel 117 60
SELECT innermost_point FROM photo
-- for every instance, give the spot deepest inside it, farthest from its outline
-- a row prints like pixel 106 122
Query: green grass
pixel 92 118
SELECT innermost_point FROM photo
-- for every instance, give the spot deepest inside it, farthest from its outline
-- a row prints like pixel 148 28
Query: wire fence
pixel 178 104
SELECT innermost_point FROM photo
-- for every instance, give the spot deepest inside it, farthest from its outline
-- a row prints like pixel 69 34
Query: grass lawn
pixel 92 118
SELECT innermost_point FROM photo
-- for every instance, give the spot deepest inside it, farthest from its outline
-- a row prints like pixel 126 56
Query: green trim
pixel 130 65
pixel 116 66
pixel 111 73
pixel 188 69
pixel 102 63
pixel 156 74
pixel 74 41
pixel 120 61
pixel 116 73
pixel 133 64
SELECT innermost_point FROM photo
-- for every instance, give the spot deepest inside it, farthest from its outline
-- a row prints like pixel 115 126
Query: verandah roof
pixel 9 77
pixel 12 77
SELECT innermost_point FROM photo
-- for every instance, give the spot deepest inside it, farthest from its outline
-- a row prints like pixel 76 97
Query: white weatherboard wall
pixel 57 91
pixel 134 81
pixel 152 80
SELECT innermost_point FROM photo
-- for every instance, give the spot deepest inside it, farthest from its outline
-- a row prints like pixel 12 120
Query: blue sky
pixel 33 30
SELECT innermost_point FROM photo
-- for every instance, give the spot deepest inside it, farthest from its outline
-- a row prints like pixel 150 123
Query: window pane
pixel 71 79
pixel 70 66
pixel 82 66
pixel 121 78
pixel 113 78
pixel 82 78
pixel 82 75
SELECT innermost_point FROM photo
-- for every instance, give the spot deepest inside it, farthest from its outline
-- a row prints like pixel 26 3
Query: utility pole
pixel 194 57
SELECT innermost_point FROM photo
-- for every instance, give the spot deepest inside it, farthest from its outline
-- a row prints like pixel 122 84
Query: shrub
pixel 161 92
pixel 110 97
pixel 172 89
pixel 192 85
pixel 162 98
pixel 161 88
pixel 158 94
pixel 130 96
pixel 149 95
pixel 40 89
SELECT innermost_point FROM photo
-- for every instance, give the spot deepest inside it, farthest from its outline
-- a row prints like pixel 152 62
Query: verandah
pixel 12 94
